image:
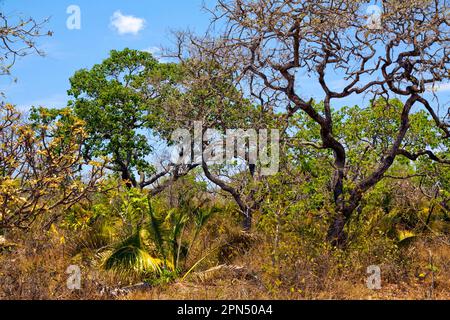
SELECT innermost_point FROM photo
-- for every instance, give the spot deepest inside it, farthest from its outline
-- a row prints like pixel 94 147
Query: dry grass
pixel 254 283
pixel 36 269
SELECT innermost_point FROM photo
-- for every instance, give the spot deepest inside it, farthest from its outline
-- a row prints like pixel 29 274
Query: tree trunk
pixel 247 220
pixel 247 211
pixel 130 182
pixel 336 233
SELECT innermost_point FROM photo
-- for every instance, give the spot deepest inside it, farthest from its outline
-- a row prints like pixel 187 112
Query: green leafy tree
pixel 118 101
pixel 368 134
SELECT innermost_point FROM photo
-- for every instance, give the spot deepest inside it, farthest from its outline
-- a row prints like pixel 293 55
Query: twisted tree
pixel 401 52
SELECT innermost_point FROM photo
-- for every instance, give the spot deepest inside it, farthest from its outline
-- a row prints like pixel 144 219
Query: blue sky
pixel 139 24
pixel 44 80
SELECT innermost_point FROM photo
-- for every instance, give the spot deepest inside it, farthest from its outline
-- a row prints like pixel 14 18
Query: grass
pixel 36 269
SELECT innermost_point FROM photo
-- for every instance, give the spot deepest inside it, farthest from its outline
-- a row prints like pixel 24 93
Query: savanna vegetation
pixel 93 185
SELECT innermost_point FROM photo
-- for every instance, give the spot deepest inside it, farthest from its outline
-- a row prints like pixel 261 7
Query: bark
pixel 345 209
pixel 246 210
pixel 336 234
pixel 128 178
pixel 247 220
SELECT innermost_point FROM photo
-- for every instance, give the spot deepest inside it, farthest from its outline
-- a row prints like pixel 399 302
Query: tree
pixel 40 162
pixel 41 166
pixel 268 44
pixel 206 94
pixel 17 39
pixel 118 100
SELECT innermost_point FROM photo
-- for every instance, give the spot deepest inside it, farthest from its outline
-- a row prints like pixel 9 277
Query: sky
pixel 106 25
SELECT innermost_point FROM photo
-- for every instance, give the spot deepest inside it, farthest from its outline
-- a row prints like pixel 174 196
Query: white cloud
pixel 153 50
pixel 124 24
pixel 157 53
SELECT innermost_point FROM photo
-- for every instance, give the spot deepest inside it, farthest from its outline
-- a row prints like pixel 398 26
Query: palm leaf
pixel 131 257
pixel 178 223
pixel 155 227
pixel 405 237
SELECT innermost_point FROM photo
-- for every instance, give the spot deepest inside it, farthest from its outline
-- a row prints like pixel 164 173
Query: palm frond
pixel 156 230
pixel 202 216
pixel 178 223
pixel 131 257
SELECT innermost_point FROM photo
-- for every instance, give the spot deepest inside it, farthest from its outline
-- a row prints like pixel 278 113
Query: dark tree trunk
pixel 130 182
pixel 336 233
pixel 247 221
pixel 345 208
pixel 245 209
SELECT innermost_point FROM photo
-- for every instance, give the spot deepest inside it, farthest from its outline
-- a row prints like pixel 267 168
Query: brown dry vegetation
pixel 354 186
pixel 34 268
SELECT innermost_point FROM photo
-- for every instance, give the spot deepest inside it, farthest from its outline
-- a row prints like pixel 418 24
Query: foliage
pixel 118 101
pixel 131 256
pixel 41 167
pixel 357 185
pixel 146 240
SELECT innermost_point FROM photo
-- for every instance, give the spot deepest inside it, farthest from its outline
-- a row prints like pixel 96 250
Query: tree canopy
pixel 118 99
